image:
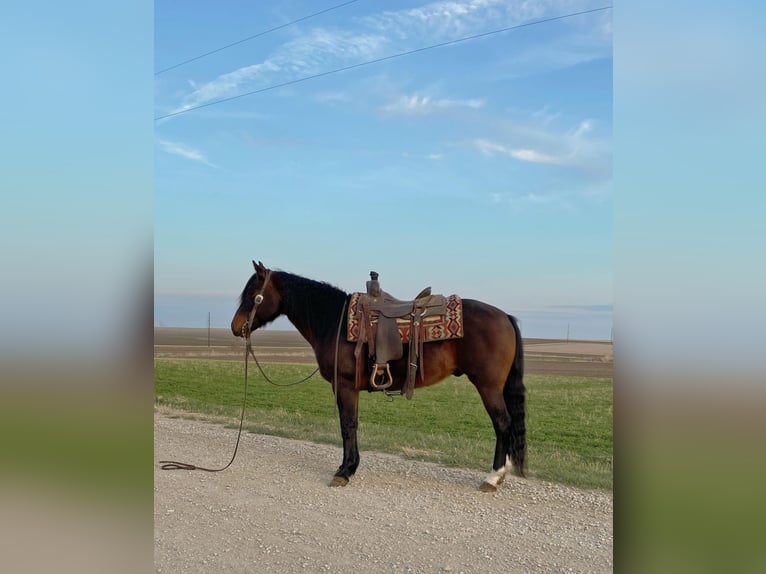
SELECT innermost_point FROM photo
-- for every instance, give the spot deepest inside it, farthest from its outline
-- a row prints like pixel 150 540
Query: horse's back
pixel 487 347
pixel 483 321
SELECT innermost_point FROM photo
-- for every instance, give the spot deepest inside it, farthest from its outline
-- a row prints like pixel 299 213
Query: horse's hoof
pixel 487 487
pixel 339 481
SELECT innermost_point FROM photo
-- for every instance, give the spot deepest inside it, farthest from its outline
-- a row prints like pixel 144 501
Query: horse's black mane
pixel 319 303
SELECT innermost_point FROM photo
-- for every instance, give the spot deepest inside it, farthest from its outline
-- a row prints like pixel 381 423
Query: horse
pixel 489 353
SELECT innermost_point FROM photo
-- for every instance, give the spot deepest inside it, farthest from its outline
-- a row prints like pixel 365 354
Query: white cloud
pixel 523 154
pixel 533 156
pixel 184 151
pixel 451 18
pixel 545 116
pixel 584 127
pixel 489 148
pixel 586 35
pixel 320 49
pixel 317 50
pixel 227 85
pixel 416 105
pixel 313 52
pixel 577 148
pixel 435 156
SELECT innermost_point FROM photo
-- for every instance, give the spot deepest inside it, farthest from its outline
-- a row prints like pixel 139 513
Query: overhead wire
pixel 382 59
pixel 259 34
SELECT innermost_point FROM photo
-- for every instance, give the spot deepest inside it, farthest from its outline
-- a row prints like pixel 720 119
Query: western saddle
pixel 378 312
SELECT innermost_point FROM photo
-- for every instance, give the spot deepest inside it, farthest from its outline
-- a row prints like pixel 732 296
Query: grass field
pixel 569 419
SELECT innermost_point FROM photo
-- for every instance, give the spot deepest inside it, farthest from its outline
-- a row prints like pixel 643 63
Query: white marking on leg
pixel 495 477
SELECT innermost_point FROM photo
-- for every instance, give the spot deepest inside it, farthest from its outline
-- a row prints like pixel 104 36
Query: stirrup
pixel 386 384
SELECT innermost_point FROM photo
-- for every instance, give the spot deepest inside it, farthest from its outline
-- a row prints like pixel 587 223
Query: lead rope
pixel 265 376
pixel 175 465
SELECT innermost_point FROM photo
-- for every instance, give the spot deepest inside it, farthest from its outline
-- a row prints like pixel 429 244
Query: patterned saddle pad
pixel 436 327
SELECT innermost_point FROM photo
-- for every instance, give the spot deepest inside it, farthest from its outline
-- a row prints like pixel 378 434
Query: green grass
pixel 569 419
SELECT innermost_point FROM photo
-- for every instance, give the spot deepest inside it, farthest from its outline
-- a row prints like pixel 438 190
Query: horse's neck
pixel 301 323
pixel 317 332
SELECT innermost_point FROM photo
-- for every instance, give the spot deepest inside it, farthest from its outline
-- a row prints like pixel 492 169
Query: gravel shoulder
pixel 273 511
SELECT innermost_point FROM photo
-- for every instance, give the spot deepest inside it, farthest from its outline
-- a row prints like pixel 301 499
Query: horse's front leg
pixel 348 409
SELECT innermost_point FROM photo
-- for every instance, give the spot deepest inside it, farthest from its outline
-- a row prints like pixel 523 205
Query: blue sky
pixel 482 168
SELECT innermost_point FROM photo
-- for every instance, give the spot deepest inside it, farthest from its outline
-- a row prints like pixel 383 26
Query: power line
pixel 254 36
pixel 383 59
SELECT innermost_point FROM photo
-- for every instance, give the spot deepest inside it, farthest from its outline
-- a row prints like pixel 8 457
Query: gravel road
pixel 272 511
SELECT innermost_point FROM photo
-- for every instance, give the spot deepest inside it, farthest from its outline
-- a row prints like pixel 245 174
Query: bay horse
pixel 490 354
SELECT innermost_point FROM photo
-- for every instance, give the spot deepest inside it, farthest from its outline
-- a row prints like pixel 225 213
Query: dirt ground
pixel 273 511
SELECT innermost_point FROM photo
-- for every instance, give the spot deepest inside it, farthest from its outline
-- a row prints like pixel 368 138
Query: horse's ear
pixel 260 269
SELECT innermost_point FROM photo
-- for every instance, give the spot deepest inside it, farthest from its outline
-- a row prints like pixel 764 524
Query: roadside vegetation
pixel 569 419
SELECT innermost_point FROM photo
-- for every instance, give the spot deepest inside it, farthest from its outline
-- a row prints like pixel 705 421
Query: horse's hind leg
pixel 514 394
pixel 501 421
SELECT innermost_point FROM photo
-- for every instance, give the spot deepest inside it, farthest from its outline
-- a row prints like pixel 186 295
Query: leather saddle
pixel 379 329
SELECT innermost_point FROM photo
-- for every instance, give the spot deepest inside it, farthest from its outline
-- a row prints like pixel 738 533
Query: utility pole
pixel 208 329
pixel 567 332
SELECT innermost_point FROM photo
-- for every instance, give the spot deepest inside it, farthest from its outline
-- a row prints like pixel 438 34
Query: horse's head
pixel 259 303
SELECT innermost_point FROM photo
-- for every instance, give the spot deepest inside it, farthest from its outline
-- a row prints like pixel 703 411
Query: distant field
pixel 542 356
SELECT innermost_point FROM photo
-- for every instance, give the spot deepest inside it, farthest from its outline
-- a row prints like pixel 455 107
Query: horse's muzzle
pixel 241 331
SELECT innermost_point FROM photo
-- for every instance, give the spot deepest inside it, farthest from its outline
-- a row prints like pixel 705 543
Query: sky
pixel 482 168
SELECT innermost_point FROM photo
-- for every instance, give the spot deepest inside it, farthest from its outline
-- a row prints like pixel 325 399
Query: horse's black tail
pixel 514 395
